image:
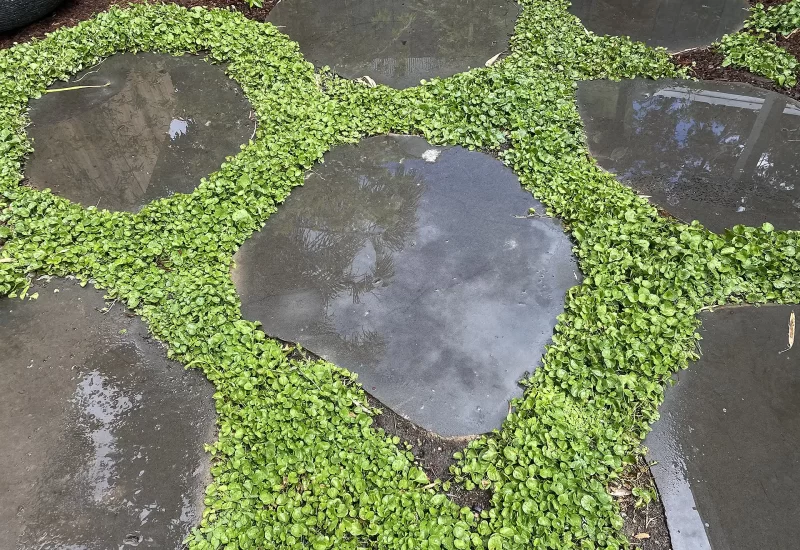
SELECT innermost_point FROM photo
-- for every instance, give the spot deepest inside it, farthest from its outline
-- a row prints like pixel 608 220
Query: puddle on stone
pixel 417 268
pixel 673 24
pixel 398 43
pixel 728 443
pixel 723 154
pixel 103 435
pixel 160 125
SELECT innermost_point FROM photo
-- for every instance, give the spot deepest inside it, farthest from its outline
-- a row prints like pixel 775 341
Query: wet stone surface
pixel 102 435
pixel 722 154
pixel 160 125
pixel 728 443
pixel 673 24
pixel 398 43
pixel 417 268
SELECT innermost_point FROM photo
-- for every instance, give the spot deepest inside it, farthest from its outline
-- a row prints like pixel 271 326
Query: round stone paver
pixel 723 154
pixel 398 43
pixel 102 435
pixel 156 125
pixel 418 268
pixel 673 24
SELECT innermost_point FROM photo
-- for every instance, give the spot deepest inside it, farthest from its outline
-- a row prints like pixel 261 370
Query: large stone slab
pixel 721 153
pixel 417 268
pixel 155 127
pixel 673 24
pixel 728 443
pixel 398 43
pixel 102 435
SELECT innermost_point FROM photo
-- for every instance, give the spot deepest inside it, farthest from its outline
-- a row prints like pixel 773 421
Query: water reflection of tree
pixel 708 150
pixel 338 236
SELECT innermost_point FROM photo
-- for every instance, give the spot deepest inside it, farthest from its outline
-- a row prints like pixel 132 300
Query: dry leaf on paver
pixel 791 333
pixel 620 492
pixel 492 60
pixel 642 536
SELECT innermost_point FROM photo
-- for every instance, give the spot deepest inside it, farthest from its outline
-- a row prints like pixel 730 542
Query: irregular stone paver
pixel 398 43
pixel 728 443
pixel 102 435
pixel 416 267
pixel 161 125
pixel 723 154
pixel 673 24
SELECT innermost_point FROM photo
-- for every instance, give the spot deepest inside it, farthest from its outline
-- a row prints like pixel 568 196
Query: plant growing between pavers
pixel 754 49
pixel 297 463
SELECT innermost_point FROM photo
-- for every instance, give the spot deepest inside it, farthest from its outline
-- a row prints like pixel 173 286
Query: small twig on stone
pixel 106 85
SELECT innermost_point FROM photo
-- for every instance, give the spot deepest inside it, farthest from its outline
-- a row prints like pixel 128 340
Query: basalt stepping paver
pixel 727 447
pixel 160 125
pixel 102 435
pixel 673 24
pixel 721 153
pixel 398 42
pixel 418 268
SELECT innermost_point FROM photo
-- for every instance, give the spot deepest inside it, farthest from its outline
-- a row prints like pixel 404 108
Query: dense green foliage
pixel 782 18
pixel 759 57
pixel 297 463
pixel 754 48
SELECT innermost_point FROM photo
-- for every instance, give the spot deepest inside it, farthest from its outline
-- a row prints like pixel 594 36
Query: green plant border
pixel 754 47
pixel 297 463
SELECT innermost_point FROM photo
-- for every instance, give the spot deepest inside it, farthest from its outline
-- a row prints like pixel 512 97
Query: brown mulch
pixel 706 64
pixel 645 525
pixel 75 11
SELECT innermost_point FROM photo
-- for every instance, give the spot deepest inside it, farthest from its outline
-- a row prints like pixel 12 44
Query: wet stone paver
pixel 720 153
pixel 673 24
pixel 417 268
pixel 102 435
pixel 398 42
pixel 160 125
pixel 727 447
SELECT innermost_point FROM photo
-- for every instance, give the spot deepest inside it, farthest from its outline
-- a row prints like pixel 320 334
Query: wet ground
pixel 673 24
pixel 723 154
pixel 150 126
pixel 728 442
pixel 418 268
pixel 103 436
pixel 398 43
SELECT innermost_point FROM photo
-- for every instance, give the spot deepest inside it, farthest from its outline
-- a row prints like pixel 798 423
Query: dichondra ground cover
pixel 297 463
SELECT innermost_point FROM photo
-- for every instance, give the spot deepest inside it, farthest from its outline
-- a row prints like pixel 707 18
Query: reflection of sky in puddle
pixel 178 127
pixel 720 157
pixel 102 406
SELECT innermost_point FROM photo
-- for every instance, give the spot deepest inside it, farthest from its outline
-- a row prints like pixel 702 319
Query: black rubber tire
pixel 18 13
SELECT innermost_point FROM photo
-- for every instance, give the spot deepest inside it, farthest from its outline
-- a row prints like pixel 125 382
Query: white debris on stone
pixel 431 155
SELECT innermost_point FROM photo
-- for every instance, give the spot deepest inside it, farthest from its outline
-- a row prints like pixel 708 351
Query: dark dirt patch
pixel 768 3
pixel 645 526
pixel 434 454
pixel 72 12
pixel 706 64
